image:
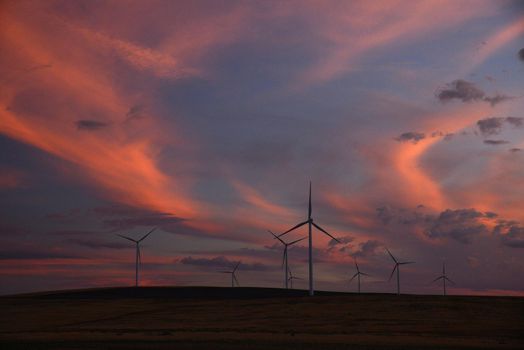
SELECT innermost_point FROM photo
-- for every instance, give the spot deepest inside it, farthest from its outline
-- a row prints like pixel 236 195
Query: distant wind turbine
pixel 397 267
pixel 444 278
pixel 292 277
pixel 357 275
pixel 310 223
pixel 284 256
pixel 138 255
pixel 233 276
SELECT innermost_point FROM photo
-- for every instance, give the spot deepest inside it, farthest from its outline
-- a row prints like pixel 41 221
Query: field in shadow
pixel 256 318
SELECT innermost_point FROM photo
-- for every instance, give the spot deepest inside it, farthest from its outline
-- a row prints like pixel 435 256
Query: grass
pixel 257 318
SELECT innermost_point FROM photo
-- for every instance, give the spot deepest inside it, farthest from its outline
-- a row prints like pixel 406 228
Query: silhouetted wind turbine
pixel 292 277
pixel 397 267
pixel 284 255
pixel 233 276
pixel 310 223
pixel 357 275
pixel 138 255
pixel 444 278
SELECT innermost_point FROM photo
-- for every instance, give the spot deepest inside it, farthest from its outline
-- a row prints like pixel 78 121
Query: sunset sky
pixel 208 119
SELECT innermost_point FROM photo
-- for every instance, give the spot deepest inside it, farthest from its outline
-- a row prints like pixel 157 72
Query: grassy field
pixel 255 318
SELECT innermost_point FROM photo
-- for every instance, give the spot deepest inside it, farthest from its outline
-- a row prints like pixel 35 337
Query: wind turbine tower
pixel 284 256
pixel 397 267
pixel 310 223
pixel 444 278
pixel 138 255
pixel 292 277
pixel 357 275
pixel 233 276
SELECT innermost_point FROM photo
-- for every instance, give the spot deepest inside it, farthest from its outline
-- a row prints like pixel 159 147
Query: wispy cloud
pixel 496 142
pixel 411 136
pixel 90 125
pixel 466 91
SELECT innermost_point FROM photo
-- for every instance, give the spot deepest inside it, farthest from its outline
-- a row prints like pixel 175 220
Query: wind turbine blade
pixel 391 255
pixel 293 228
pixel 450 281
pixel 321 229
pixel 356 265
pixel 392 272
pixel 141 239
pixel 236 281
pixel 224 271
pixel 436 279
pixel 406 262
pixel 298 240
pixel 236 267
pixel 131 239
pixel 355 275
pixel 284 254
pixel 274 235
pixel 309 207
pixel 364 274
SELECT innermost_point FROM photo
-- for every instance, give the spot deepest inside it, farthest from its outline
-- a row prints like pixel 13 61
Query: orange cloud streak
pixel 120 160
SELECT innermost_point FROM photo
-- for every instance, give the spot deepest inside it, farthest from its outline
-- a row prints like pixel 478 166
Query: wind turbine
pixel 138 255
pixel 233 276
pixel 397 267
pixel 357 275
pixel 310 223
pixel 292 277
pixel 444 278
pixel 284 256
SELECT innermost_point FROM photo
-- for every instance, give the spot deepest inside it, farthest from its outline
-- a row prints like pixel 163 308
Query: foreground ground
pixel 254 318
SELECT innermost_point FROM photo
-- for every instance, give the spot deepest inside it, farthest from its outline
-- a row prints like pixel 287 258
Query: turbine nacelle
pixel 397 269
pixel 138 252
pixel 310 223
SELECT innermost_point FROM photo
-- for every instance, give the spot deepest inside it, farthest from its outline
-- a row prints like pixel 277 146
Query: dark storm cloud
pixel 515 121
pixel 343 244
pixel 224 263
pixel 460 90
pixel 514 238
pixel 496 142
pixel 97 244
pixel 466 91
pixel 341 240
pixel 496 99
pixel 521 54
pixel 493 125
pixel 503 226
pixel 490 126
pixel 90 125
pixel 460 224
pixel 368 248
pixel 411 136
